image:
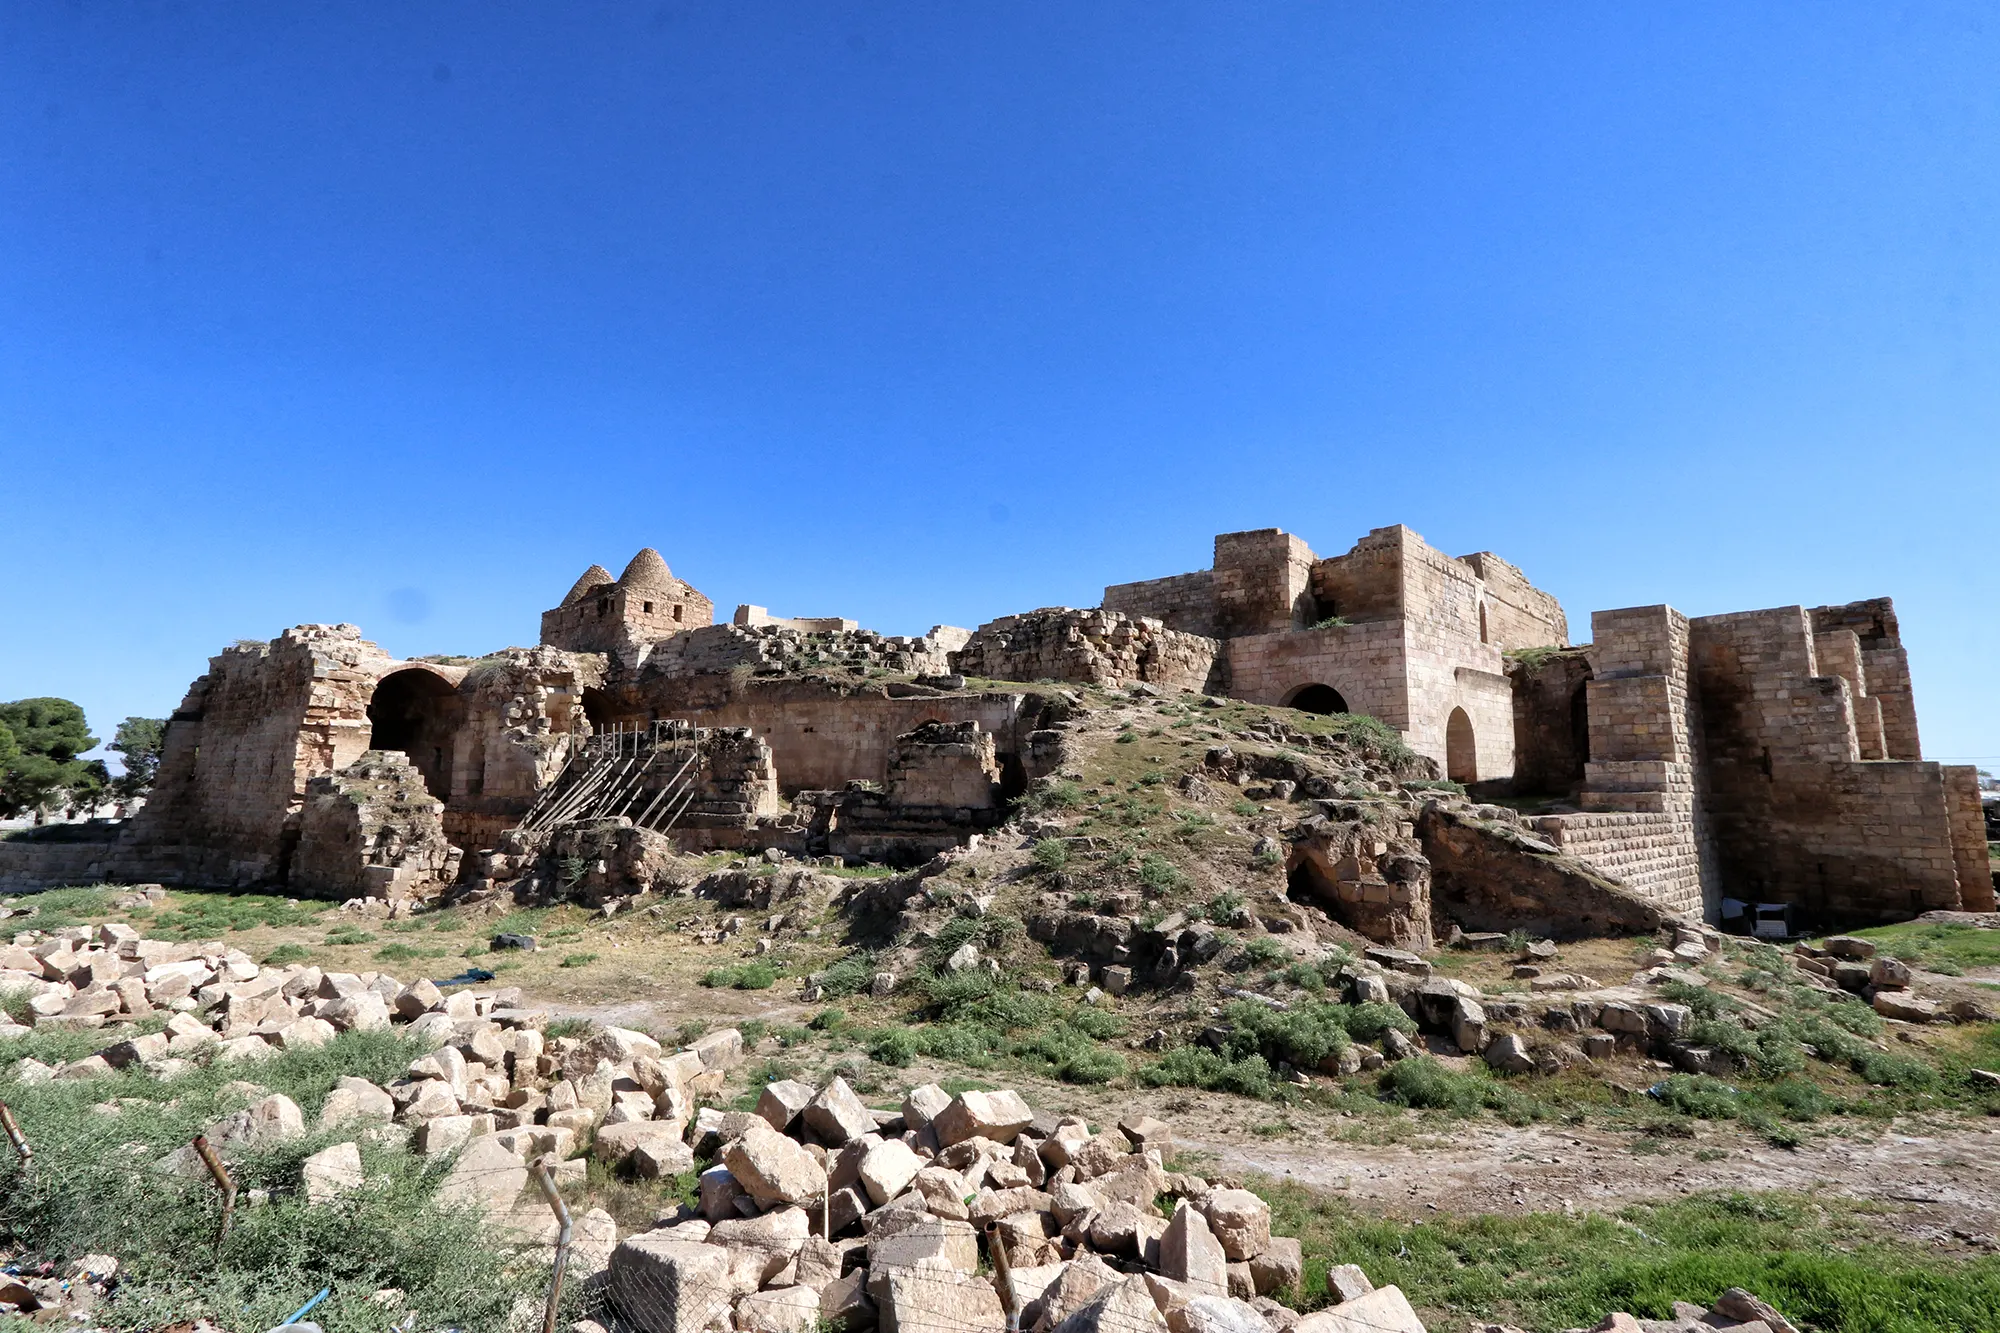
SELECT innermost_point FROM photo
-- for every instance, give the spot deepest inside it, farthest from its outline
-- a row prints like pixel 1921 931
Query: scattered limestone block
pixel 1190 1252
pixel 1126 1307
pixel 1241 1221
pixel 660 1145
pixel 486 1176
pixel 1905 1006
pixel 363 1012
pixel 331 1172
pixel 888 1168
pixel 923 1105
pixel 1216 1314
pixel 1848 946
pixel 1740 1305
pixel 1144 1132
pixel 1384 1310
pixel 785 1310
pixel 924 1239
pixel 782 1101
pixel 1081 1281
pixel 1346 1282
pixel 777 1236
pixel 773 1169
pixel 998 1116
pixel 837 1116
pixel 719 1050
pixel 1279 1267
pixel 937 1299
pixel 677 1286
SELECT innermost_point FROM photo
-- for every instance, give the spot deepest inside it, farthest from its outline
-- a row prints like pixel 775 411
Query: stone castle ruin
pixel 1767 756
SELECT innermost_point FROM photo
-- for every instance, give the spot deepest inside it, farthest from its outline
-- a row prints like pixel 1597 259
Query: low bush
pixel 1051 854
pixel 745 976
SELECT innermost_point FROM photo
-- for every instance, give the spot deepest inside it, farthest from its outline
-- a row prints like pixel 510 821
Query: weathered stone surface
pixel 1905 1005
pixel 1346 1282
pixel 1082 1280
pixel 837 1116
pixel 928 1239
pixel 1384 1310
pixel 781 1102
pixel 331 1172
pixel 673 1286
pixel 778 1235
pixel 1126 1307
pixel 665 1153
pixel 365 1012
pixel 773 1169
pixel 888 1168
pixel 1738 1304
pixel 1279 1267
pixel 845 1304
pixel 784 1310
pixel 937 1299
pixel 923 1105
pixel 1216 1314
pixel 486 1176
pixel 1190 1252
pixel 991 1115
pixel 1240 1220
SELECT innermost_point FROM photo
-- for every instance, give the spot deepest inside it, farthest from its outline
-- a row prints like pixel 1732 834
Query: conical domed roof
pixel 594 577
pixel 647 570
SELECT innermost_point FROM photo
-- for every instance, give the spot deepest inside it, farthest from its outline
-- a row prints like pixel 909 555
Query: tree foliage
pixel 138 741
pixel 48 735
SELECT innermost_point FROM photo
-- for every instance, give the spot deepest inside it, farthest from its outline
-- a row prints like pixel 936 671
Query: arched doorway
pixel 1461 754
pixel 418 712
pixel 1317 699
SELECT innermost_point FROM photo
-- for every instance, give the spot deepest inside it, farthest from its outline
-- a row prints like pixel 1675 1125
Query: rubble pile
pixel 958 1213
pixel 1848 963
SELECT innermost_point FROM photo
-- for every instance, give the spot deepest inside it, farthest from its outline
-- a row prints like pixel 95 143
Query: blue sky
pixel 404 314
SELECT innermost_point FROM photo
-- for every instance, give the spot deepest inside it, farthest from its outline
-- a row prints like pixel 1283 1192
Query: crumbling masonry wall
pixel 372 830
pixel 1094 647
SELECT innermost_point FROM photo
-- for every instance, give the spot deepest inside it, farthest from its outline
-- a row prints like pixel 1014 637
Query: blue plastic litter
pixel 466 978
pixel 306 1309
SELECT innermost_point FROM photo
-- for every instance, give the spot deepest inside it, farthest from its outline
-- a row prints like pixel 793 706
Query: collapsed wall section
pixel 1799 815
pixel 372 830
pixel 1646 821
pixel 1092 647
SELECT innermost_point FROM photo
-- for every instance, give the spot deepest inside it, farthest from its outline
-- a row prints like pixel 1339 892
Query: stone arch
pixel 1317 698
pixel 417 711
pixel 1461 750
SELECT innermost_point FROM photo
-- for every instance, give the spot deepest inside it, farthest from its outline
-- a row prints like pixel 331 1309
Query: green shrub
pixel 286 954
pixel 1368 1022
pixel 1199 1067
pixel 892 1046
pixel 1422 1082
pixel 828 1020
pixel 746 976
pixel 1060 794
pixel 586 959
pixel 1051 854
pixel 1262 952
pixel 1223 907
pixel 1159 875
pixel 850 976
pixel 1698 1095
pixel 342 935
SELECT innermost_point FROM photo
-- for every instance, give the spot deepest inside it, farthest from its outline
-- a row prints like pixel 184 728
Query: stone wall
pixel 238 752
pixel 946 764
pixel 644 606
pixel 1263 583
pixel 1366 663
pixel 1653 855
pixel 27 864
pixel 824 732
pixel 1968 837
pixel 1185 602
pixel 778 649
pixel 1551 721
pixel 1885 668
pixel 1094 647
pixel 372 830
pixel 1491 875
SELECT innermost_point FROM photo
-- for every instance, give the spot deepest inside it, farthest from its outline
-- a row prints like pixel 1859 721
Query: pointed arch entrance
pixel 1461 751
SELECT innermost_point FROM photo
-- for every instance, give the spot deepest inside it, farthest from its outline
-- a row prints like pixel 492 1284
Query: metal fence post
pixel 222 1181
pixel 547 1184
pixel 14 1136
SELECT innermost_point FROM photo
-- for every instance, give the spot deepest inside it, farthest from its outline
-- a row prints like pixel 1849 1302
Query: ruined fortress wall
pixel 1653 855
pixel 1367 582
pixel 240 749
pixel 1519 615
pixel 28 865
pixel 1885 672
pixel 1798 815
pixel 1366 663
pixel 1968 837
pixel 1263 583
pixel 1451 664
pixel 1647 814
pixel 1551 726
pixel 1092 647
pixel 1184 602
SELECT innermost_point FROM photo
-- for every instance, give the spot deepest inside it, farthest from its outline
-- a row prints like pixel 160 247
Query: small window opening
pixel 649 608
pixel 677 613
pixel 1482 622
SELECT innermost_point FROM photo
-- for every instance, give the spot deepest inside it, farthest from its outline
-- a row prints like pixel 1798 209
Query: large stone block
pixel 663 1285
